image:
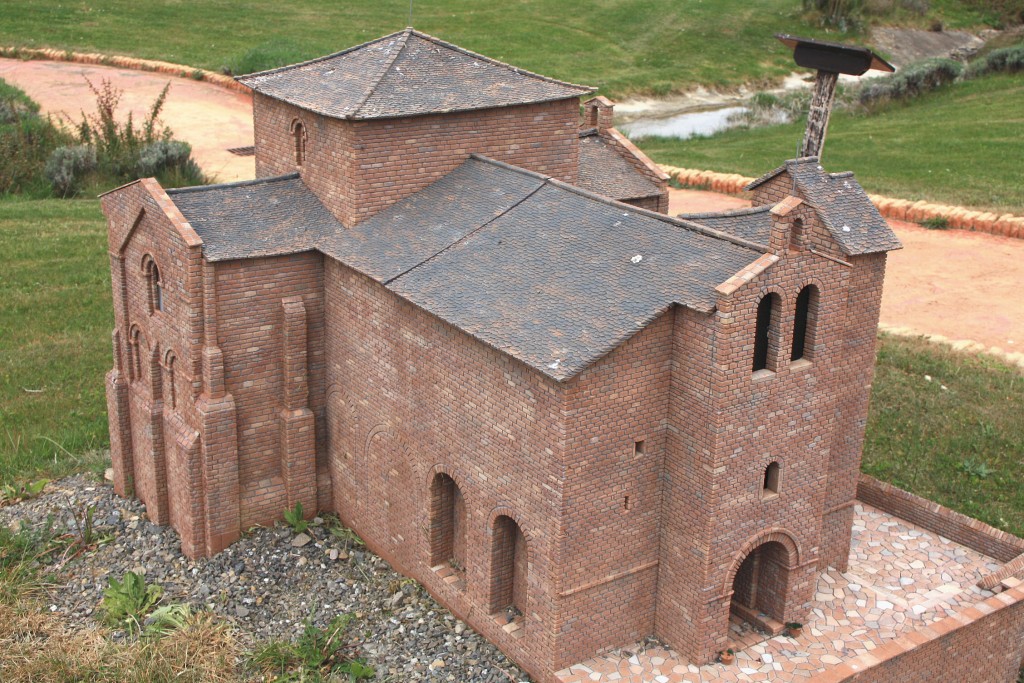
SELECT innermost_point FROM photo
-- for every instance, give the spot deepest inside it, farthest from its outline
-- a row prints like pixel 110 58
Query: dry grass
pixel 36 647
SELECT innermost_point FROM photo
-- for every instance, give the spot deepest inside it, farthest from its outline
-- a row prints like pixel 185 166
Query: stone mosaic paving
pixel 900 578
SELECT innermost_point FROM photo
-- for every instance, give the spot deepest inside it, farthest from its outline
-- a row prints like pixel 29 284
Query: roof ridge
pixel 467 235
pixel 750 210
pixel 322 58
pixel 491 60
pixel 238 183
pixel 678 222
pixel 383 72
pixel 508 167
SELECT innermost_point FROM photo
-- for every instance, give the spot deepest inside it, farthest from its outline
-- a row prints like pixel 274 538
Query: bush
pixel 26 142
pixel 844 15
pixel 911 81
pixel 1003 60
pixel 67 166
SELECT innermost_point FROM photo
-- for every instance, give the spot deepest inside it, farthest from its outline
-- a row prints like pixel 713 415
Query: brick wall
pixel 611 507
pixel 252 333
pixel 409 397
pixel 358 168
pixel 981 643
pixel 941 520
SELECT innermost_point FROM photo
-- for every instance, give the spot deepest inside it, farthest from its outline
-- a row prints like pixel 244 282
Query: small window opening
pixel 625 504
pixel 154 287
pixel 771 480
pixel 765 333
pixel 134 361
pixel 509 570
pixel 804 320
pixel 638 448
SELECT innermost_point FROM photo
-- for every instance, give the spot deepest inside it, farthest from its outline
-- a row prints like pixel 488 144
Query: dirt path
pixel 953 284
pixel 210 118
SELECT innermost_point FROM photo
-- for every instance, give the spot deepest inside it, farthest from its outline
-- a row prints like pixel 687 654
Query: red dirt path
pixel 952 284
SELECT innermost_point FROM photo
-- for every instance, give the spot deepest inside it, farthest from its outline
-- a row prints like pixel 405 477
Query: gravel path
pixel 265 584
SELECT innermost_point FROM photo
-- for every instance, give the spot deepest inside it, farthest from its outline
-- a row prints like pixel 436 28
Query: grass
pixel 623 46
pixel 962 445
pixel 960 145
pixel 55 321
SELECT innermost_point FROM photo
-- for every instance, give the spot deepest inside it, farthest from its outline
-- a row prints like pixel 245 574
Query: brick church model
pixel 461 320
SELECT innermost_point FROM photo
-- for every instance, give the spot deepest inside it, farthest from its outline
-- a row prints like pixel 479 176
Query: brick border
pixel 961 218
pixel 933 517
pixel 169 68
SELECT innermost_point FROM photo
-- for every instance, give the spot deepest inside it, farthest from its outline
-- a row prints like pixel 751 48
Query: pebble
pixel 300 540
pixel 398 628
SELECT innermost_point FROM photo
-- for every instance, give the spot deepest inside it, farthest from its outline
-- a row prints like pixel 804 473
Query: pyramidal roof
pixel 407 73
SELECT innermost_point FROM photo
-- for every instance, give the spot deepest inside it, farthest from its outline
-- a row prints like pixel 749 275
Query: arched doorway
pixel 761 586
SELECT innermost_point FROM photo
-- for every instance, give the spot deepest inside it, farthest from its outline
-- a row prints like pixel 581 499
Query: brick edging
pixel 958 217
pixel 931 516
pixel 851 669
pixel 169 68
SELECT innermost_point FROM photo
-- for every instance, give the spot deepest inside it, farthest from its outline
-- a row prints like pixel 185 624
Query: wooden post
pixel 821 109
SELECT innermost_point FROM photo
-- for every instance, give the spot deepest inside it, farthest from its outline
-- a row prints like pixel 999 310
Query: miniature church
pixel 451 309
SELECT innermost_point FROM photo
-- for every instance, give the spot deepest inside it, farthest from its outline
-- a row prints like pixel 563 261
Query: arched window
pixel 770 485
pixel 796 235
pixel 299 136
pixel 805 323
pixel 172 389
pixel 154 288
pixel 509 569
pixel 766 336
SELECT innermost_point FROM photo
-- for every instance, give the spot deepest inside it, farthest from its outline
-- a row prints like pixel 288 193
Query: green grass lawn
pixel 961 145
pixel 55 322
pixel 623 46
pixel 961 446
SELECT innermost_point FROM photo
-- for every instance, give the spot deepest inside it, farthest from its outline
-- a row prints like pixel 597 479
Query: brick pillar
pixel 219 428
pixel 157 509
pixel 298 430
pixel 598 112
pixel 119 423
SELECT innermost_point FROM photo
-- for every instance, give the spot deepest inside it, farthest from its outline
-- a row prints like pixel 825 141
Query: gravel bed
pixel 265 585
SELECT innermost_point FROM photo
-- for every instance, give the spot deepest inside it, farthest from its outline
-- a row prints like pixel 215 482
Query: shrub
pixel 911 81
pixel 26 142
pixel 844 15
pixel 67 166
pixel 1003 60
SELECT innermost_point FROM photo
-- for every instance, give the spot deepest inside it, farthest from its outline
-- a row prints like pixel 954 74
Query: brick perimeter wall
pixel 983 643
pixel 933 517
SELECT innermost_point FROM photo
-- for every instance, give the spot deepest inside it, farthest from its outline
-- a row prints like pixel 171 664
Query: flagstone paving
pixel 900 578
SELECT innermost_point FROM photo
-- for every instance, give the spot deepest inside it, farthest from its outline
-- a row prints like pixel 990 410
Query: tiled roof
pixel 849 215
pixel 536 268
pixel 752 224
pixel 604 170
pixel 406 74
pixel 267 217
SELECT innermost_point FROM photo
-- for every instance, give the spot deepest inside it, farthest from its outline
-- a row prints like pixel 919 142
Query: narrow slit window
pixel 639 448
pixel 804 323
pixel 299 134
pixel 770 486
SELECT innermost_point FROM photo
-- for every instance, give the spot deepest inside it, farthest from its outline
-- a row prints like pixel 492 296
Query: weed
pixel 126 602
pixel 168 618
pixel 295 518
pixel 317 652
pixel 974 468
pixel 935 223
pixel 15 493
pixel 343 533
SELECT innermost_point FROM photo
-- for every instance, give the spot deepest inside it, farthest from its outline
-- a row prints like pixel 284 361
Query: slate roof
pixel 266 217
pixel 406 74
pixel 605 171
pixel 752 224
pixel 848 214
